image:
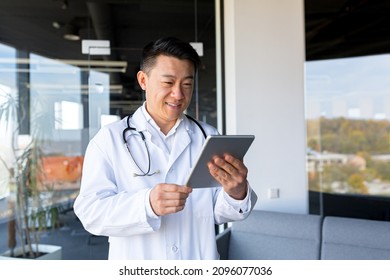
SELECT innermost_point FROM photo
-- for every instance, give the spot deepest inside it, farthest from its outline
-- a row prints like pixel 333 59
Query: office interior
pixel 308 78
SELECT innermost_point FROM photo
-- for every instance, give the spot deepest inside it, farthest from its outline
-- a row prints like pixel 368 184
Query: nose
pixel 177 92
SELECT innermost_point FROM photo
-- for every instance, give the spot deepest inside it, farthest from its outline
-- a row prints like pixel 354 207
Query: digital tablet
pixel 236 145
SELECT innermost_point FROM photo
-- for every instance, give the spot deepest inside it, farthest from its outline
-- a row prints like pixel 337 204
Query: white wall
pixel 264 63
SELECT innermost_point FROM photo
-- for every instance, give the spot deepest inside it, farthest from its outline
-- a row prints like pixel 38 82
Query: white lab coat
pixel 114 203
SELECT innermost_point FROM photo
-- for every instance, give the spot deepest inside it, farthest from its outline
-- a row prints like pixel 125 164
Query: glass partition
pixel 54 98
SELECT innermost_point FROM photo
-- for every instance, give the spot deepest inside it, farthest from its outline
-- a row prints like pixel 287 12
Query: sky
pixel 350 87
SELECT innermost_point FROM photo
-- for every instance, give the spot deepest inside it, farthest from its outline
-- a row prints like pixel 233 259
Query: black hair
pixel 169 46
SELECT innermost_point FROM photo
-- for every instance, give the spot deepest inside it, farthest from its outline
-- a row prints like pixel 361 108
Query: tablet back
pixel 236 145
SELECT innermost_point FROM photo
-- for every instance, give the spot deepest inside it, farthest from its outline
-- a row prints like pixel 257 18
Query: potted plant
pixel 31 214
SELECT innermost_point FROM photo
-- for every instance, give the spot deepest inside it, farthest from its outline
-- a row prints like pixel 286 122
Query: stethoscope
pixel 141 134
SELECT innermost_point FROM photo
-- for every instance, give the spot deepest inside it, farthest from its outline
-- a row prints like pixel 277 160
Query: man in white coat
pixel 132 188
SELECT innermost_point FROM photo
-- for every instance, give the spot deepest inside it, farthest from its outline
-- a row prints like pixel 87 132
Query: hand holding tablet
pixel 236 145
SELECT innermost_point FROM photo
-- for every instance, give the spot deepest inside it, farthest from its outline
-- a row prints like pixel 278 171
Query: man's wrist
pixel 241 194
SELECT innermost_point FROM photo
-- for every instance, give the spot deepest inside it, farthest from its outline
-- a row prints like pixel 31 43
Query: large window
pixel 348 130
pixel 348 110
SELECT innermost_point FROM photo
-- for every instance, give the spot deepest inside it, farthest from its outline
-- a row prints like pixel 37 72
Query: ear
pixel 142 79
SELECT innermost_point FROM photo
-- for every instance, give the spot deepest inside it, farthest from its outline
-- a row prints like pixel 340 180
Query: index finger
pixel 177 188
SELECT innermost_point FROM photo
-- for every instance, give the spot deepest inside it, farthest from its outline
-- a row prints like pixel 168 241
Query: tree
pixel 356 182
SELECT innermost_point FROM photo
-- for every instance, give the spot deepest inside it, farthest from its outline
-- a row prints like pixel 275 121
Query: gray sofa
pixel 284 236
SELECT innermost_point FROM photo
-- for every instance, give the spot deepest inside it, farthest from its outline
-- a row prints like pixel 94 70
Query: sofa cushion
pixel 274 235
pixel 354 239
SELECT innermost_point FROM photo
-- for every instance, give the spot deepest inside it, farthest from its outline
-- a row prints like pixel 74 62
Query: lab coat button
pixel 174 249
pixel 171 170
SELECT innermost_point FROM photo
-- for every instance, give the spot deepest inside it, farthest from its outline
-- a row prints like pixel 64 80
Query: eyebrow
pixel 172 76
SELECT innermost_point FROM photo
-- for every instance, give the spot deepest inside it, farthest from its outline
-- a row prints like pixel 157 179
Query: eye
pixel 187 84
pixel 167 83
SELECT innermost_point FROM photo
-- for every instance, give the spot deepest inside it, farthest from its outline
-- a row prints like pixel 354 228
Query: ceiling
pixel 346 28
pixel 128 24
pixel 334 28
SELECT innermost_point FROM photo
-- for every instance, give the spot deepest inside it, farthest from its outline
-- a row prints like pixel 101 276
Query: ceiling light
pixel 71 33
pixel 64 5
pixel 56 24
pixel 52 65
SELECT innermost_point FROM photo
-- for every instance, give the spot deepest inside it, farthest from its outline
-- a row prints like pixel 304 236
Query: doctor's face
pixel 168 87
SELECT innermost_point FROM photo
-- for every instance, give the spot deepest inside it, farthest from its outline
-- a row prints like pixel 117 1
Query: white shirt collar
pixel 151 121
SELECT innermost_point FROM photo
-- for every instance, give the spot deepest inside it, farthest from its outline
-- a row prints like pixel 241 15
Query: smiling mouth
pixel 172 105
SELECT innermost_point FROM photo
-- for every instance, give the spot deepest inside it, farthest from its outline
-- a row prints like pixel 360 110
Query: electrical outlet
pixel 273 193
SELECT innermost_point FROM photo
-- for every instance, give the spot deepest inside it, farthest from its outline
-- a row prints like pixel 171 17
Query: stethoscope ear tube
pixel 129 128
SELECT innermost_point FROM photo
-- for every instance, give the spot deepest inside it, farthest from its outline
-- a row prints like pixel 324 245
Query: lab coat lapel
pixel 182 140
pixel 138 120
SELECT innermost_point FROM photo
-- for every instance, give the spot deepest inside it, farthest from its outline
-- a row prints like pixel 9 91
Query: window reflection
pixel 40 103
pixel 70 115
pixel 8 121
pixel 72 95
